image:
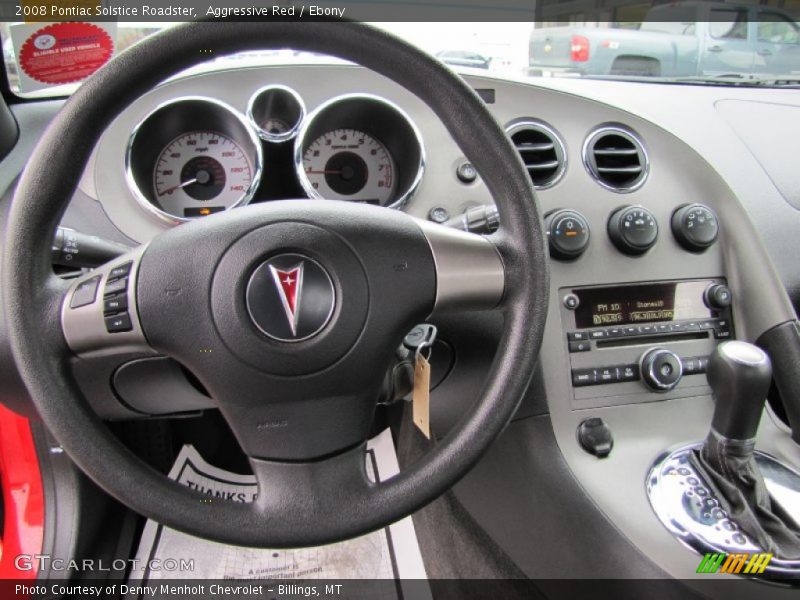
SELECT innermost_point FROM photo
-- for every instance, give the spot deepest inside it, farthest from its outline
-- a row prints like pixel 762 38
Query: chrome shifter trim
pixel 687 507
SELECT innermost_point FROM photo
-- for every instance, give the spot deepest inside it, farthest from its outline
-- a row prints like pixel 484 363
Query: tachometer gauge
pixel 201 172
pixel 360 148
pixel 347 164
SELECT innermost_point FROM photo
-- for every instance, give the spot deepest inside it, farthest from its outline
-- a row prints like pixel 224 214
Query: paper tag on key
pixel 421 395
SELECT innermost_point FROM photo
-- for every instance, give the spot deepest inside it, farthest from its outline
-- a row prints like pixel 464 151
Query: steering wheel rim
pixel 33 295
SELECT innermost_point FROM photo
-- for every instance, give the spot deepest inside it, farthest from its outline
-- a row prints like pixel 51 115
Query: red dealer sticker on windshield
pixel 65 52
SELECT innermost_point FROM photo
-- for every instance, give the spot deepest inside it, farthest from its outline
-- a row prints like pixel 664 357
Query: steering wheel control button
pixel 595 437
pixel 115 286
pixel 290 297
pixel 118 323
pixel 568 234
pixel 115 304
pixel 571 301
pixel 718 296
pixel 120 271
pixel 661 369
pixel 695 227
pixel 85 293
pixel 633 229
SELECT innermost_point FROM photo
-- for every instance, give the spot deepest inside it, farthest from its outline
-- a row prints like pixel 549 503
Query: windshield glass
pixel 684 42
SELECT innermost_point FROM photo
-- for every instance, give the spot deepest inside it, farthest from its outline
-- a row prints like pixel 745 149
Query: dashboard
pixel 654 199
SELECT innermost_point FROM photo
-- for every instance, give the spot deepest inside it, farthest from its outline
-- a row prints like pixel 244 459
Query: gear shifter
pixel 739 375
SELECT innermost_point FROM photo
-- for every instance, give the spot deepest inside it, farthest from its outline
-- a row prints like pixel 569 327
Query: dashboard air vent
pixel 616 158
pixel 541 150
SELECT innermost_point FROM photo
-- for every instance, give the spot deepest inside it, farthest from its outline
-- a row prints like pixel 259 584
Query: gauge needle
pixel 311 171
pixel 179 186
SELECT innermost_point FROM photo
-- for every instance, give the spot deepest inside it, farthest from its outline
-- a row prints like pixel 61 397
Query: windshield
pixel 684 42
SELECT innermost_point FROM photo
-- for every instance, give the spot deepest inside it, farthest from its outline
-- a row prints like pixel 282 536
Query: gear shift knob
pixel 739 375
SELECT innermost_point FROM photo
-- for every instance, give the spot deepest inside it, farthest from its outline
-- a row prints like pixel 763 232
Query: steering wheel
pixel 295 377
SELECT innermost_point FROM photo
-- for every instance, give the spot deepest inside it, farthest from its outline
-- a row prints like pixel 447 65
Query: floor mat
pixel 391 553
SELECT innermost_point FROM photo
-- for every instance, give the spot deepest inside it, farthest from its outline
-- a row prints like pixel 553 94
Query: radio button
pixel 717 296
pixel 582 377
pixel 647 329
pixel 629 373
pixel 571 301
pixel 691 366
pixel 615 332
pixel 580 346
pixel 661 369
pixel 597 334
pixel 607 375
pixel 630 331
pixel 577 336
pixel 663 328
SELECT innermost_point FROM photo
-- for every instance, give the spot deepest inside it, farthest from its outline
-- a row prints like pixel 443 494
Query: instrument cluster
pixel 195 156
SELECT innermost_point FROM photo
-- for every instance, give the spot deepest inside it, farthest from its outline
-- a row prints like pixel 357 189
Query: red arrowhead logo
pixel 290 285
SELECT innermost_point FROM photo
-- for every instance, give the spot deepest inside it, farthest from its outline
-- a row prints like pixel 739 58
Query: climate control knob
pixel 568 233
pixel 661 369
pixel 633 229
pixel 695 226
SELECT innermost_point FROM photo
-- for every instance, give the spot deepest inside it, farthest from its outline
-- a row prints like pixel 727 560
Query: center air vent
pixel 541 150
pixel 616 159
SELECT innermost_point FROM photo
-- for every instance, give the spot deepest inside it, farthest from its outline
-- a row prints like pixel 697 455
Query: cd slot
pixel 652 339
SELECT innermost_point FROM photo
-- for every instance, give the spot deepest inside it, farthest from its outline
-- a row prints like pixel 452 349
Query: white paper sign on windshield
pixel 55 54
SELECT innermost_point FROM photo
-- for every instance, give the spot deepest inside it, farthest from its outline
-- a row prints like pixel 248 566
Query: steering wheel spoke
pixel 99 313
pixel 470 274
pixel 294 419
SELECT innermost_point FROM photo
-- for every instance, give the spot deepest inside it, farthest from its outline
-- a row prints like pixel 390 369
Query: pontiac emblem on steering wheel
pixel 290 287
pixel 290 297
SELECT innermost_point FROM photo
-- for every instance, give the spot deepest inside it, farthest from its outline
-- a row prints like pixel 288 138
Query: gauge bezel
pixel 255 153
pixel 276 138
pixel 403 193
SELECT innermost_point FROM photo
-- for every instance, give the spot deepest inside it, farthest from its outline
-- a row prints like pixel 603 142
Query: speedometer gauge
pixel 199 173
pixel 193 157
pixel 347 164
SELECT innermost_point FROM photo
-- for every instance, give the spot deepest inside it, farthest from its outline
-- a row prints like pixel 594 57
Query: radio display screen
pixel 637 304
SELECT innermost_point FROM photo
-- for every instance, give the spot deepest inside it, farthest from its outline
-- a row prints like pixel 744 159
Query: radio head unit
pixel 638 304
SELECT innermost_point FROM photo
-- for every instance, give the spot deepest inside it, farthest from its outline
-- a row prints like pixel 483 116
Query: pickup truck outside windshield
pixel 700 43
